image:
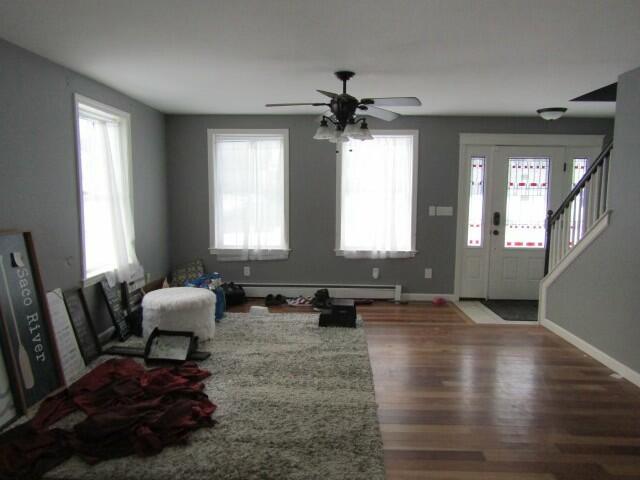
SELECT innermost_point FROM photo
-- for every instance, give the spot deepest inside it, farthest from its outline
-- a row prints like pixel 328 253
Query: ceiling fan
pixel 346 112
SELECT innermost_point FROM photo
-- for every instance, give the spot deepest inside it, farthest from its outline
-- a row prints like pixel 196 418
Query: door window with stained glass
pixel 527 198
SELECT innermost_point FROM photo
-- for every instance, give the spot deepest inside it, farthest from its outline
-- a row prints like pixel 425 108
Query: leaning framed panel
pixel 85 334
pixel 29 350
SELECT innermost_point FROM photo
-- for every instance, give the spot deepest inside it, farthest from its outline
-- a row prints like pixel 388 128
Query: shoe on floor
pixel 299 301
pixel 271 301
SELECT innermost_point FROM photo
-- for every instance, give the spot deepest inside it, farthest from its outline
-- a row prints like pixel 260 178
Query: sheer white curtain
pixel 376 197
pixel 249 197
pixel 108 232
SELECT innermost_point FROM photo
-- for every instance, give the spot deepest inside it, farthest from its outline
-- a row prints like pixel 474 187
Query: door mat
pixel 514 310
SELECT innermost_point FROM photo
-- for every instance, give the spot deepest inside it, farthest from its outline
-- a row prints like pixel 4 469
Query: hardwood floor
pixel 460 401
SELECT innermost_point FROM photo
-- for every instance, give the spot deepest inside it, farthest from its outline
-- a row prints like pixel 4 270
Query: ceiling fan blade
pixel 392 102
pixel 294 104
pixel 328 94
pixel 376 112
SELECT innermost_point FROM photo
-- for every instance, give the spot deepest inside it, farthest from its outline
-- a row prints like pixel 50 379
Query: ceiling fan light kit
pixel 553 113
pixel 346 113
pixel 323 132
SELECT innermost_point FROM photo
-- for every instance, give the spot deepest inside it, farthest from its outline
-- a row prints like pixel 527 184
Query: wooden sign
pixel 27 337
pixel 133 298
pixel 113 296
pixel 87 340
pixel 73 365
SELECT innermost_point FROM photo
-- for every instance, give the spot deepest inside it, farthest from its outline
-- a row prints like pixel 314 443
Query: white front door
pixel 526 181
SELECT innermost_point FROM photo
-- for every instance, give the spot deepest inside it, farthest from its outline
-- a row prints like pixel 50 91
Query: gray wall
pixel 38 165
pixel 313 191
pixel 598 297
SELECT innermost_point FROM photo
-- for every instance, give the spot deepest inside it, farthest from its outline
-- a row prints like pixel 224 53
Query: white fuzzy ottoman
pixel 182 309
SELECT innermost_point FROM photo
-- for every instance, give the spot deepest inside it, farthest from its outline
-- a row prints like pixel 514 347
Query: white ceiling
pixel 460 57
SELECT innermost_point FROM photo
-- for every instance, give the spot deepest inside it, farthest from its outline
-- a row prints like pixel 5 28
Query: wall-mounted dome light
pixel 553 113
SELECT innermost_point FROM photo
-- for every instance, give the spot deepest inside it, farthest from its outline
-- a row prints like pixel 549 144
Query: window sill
pixel 93 280
pixel 234 255
pixel 356 254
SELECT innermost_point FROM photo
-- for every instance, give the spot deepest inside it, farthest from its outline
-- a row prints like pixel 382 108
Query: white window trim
pixel 125 118
pixel 233 254
pixel 414 200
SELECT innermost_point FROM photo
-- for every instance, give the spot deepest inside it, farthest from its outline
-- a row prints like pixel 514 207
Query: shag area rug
pixel 295 401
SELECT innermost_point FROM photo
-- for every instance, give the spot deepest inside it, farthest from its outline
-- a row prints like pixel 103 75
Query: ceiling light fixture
pixel 553 113
pixel 323 132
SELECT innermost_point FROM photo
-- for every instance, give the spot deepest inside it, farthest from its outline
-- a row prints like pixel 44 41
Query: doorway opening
pixel 506 185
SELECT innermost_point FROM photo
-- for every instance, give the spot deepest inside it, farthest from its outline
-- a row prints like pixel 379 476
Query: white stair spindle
pixel 603 186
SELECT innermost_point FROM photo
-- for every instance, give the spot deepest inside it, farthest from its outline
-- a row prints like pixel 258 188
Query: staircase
pixel 584 208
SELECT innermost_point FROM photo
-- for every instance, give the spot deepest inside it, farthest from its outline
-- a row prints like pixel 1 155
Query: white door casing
pixel 478 258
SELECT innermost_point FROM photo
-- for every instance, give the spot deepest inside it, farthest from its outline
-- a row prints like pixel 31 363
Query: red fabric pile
pixel 129 410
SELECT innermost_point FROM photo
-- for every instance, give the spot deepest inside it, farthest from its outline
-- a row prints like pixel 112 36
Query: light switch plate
pixel 444 211
pixel 428 273
pixel 375 273
pixel 432 211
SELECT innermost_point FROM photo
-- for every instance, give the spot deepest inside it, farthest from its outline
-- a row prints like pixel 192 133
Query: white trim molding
pixel 94 109
pixel 531 140
pixel 427 297
pixel 375 292
pixel 615 365
pixel 415 134
pixel 379 292
pixel 589 237
pixel 486 145
pixel 224 254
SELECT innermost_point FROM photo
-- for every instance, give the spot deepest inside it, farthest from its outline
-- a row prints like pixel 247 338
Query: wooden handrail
pixel 552 217
pixel 575 191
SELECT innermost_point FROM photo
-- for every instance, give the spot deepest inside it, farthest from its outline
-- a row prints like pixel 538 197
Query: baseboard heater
pixel 390 292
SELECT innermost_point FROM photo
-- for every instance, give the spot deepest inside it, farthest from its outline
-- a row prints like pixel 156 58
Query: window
pixel 249 193
pixel 476 201
pixel 527 192
pixel 377 196
pixel 105 185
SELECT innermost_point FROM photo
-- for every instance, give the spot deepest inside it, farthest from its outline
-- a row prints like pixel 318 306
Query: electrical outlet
pixel 246 271
pixel 428 273
pixel 375 273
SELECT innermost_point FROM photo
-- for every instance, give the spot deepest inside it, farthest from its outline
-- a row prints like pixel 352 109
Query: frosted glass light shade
pixel 364 133
pixel 551 113
pixel 352 130
pixel 323 133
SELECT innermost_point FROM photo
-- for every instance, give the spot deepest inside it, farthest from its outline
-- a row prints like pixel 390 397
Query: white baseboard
pixel 378 292
pixel 618 367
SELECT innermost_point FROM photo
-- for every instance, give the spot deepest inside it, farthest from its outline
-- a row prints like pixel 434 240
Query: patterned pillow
pixel 188 271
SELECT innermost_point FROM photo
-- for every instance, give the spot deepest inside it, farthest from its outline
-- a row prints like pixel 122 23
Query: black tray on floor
pixel 125 351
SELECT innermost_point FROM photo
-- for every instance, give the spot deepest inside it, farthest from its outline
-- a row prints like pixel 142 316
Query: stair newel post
pixel 547 241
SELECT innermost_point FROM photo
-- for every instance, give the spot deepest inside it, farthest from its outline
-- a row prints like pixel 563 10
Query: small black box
pixel 343 314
